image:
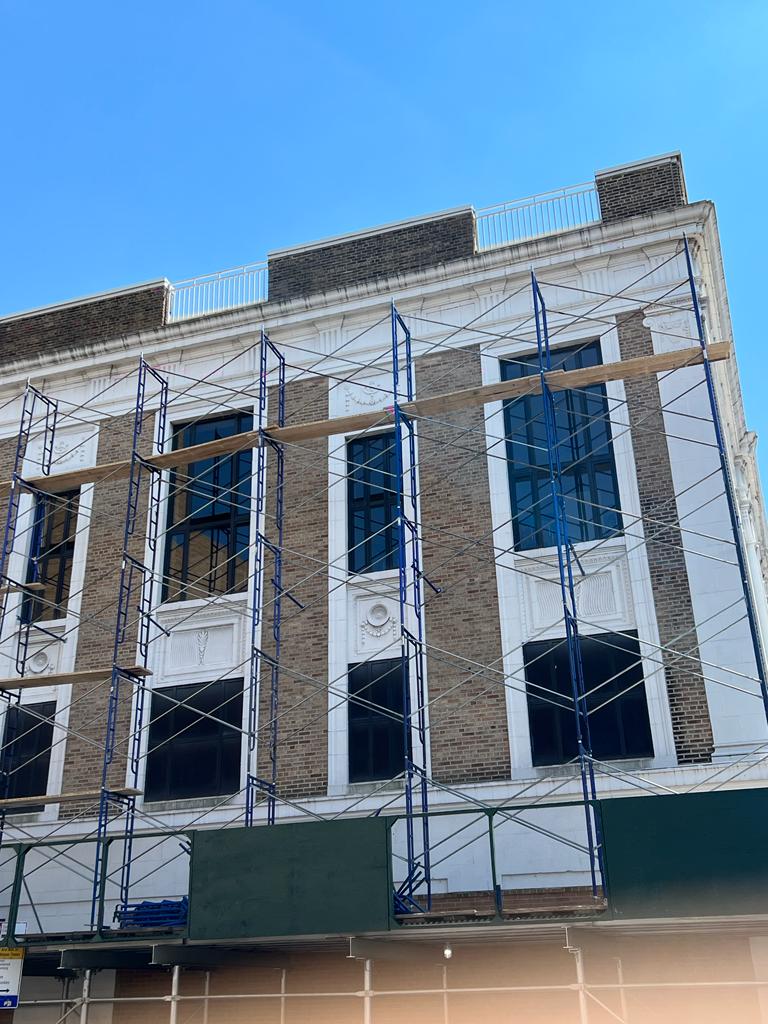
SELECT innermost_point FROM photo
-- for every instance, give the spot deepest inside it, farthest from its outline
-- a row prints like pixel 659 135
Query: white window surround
pixel 213 635
pixel 724 642
pixel 514 629
pixel 45 654
pixel 355 600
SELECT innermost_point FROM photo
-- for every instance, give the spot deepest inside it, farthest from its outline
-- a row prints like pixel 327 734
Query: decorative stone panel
pixel 603 595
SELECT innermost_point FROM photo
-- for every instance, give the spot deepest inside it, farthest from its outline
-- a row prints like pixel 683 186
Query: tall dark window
pixel 586 455
pixel 616 700
pixel 372 503
pixel 209 515
pixel 26 755
pixel 53 548
pixel 375 739
pixel 190 754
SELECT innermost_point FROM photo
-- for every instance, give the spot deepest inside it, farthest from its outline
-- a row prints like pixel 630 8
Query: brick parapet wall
pixel 640 189
pixel 468 719
pixel 686 690
pixel 378 254
pixel 303 710
pixel 68 326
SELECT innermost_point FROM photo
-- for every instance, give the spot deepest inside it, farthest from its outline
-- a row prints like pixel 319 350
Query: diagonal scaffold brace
pixel 414 894
pixel 38 416
pixel 266 547
pixel 135 594
pixel 733 510
pixel 565 557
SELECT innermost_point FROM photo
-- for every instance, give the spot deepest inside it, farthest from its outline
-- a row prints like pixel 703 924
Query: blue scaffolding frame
pixel 138 580
pixel 407 899
pixel 273 546
pixel 33 399
pixel 135 577
pixel 733 513
pixel 568 597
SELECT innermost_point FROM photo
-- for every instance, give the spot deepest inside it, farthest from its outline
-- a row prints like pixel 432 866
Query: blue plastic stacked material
pixel 153 914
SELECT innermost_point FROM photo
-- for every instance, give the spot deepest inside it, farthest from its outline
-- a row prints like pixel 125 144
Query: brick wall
pixel 303 713
pixel 62 328
pixel 87 721
pixel 641 189
pixel 468 720
pixel 669 577
pixel 379 254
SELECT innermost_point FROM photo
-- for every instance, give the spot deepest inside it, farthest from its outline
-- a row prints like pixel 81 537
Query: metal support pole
pixel 174 998
pixel 84 997
pixel 445 995
pixel 32 400
pixel 16 890
pixel 568 596
pixel 581 987
pixel 733 511
pixel 274 546
pixel 64 1008
pixel 133 574
pixel 206 993
pixel 622 993
pixel 283 990
pixel 497 897
pixel 367 986
pixel 410 593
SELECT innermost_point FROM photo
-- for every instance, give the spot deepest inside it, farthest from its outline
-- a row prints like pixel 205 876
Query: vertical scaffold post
pixel 133 574
pixel 32 417
pixel 411 631
pixel 33 399
pixel 269 539
pixel 733 510
pixel 568 597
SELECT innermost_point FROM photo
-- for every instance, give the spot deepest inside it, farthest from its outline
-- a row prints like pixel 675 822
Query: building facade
pixel 363 614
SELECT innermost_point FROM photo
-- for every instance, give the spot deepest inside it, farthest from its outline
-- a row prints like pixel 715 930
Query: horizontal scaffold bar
pixel 438 405
pixel 20 588
pixel 62 798
pixel 91 675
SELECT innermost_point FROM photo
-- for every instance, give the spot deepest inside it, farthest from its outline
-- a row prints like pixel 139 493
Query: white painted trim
pixel 675 157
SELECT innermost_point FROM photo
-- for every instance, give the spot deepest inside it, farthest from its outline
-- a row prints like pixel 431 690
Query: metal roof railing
pixel 548 213
pixel 215 293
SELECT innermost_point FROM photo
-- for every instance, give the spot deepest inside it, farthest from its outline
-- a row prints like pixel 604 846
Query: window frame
pixel 39 608
pixel 42 708
pixel 361 558
pixel 191 585
pixel 623 710
pixel 592 522
pixel 229 697
pixel 366 721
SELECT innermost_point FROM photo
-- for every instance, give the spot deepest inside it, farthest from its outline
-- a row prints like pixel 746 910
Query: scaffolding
pixel 138 625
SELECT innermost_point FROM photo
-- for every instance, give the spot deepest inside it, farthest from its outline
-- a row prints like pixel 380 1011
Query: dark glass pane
pixel 194 747
pixel 174 567
pixel 583 444
pixel 615 698
pixel 376 740
pixel 52 549
pixel 209 515
pixel 26 755
pixel 372 504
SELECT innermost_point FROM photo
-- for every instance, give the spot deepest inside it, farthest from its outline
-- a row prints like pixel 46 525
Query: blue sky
pixel 172 138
